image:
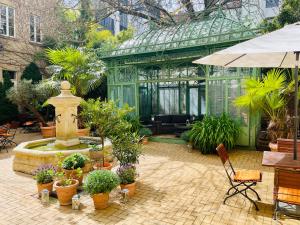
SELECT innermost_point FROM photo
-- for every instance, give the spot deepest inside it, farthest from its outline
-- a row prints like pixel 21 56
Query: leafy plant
pixel 126 147
pixel 81 68
pixel 101 181
pixel 270 96
pixel 8 111
pixel 127 173
pixel 65 180
pixel 134 121
pixel 44 174
pixel 186 136
pixel 32 72
pixel 74 161
pixel 145 132
pixel 31 96
pixel 211 131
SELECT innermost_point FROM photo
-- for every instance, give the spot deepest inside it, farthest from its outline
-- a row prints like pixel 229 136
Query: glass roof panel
pixel 194 34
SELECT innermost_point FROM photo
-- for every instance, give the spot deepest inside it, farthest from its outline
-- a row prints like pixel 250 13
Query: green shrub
pixel 8 111
pixel 44 174
pixel 145 132
pixel 134 121
pixel 186 136
pixel 32 72
pixel 74 161
pixel 127 173
pixel 101 181
pixel 211 131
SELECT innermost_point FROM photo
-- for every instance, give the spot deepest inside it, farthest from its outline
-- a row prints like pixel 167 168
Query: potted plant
pixel 99 183
pixel 107 119
pixel 44 176
pixel 145 133
pixel 73 164
pixel 272 96
pixel 127 174
pixel 65 186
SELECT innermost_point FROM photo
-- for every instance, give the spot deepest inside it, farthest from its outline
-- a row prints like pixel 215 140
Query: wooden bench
pixel 287 145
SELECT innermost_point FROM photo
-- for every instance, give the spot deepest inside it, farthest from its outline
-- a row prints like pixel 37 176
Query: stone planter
pixel 96 155
pixel 48 186
pixel 73 174
pixel 130 187
pixel 65 193
pixel 83 132
pixel 101 200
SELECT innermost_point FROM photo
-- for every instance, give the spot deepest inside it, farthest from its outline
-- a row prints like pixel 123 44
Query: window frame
pixel 35 29
pixel 7 21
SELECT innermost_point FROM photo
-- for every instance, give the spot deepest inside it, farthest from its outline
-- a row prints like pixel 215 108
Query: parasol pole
pixel 296 105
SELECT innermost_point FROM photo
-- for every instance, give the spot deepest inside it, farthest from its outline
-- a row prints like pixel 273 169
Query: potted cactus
pixel 127 174
pixel 99 183
pixel 44 176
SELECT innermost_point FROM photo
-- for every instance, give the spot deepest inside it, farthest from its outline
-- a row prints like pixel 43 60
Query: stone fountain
pixel 29 155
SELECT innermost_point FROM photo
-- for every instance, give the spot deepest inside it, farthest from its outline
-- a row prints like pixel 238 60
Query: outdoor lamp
pixel 124 194
pixel 76 202
pixel 45 197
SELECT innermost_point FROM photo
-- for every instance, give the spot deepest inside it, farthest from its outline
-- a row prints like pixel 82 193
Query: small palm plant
pixel 270 96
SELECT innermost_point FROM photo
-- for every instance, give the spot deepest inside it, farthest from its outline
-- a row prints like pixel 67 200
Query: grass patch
pixel 167 140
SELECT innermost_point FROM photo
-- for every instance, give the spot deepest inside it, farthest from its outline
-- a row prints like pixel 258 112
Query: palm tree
pixel 270 96
pixel 81 68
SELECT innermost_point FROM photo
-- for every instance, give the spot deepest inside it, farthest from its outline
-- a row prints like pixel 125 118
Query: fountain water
pixel 29 155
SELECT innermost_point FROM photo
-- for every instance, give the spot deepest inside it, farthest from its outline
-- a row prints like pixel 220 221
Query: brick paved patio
pixel 174 187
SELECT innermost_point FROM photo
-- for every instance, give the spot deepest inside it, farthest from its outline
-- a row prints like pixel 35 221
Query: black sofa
pixel 169 124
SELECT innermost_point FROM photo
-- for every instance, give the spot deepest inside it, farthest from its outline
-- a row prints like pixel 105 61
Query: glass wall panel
pixel 129 95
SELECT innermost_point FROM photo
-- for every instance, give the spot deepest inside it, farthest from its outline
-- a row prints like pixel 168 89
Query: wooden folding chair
pixel 240 181
pixel 286 190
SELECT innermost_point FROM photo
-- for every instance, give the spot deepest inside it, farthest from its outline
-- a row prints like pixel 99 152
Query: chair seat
pixel 247 176
pixel 289 195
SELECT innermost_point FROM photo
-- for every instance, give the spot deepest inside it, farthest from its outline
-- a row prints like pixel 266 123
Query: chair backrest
pixel 4 128
pixel 225 161
pixel 287 145
pixel 287 178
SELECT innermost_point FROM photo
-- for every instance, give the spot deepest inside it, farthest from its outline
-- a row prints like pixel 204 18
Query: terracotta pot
pixel 101 200
pixel 83 132
pixel 145 140
pixel 131 188
pixel 273 147
pixel 65 193
pixel 72 174
pixel 106 166
pixel 96 155
pixel 48 186
pixel 48 132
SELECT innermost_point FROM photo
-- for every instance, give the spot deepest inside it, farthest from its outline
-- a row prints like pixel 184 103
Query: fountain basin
pixel 31 154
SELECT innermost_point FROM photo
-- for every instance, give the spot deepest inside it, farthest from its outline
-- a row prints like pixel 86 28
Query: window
pixel 272 3
pixel 7 21
pixel 35 28
pixel 109 24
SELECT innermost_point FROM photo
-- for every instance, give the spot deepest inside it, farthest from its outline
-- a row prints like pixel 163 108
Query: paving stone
pixel 174 187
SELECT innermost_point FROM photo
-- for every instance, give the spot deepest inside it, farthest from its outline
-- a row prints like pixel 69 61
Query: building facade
pixel 23 24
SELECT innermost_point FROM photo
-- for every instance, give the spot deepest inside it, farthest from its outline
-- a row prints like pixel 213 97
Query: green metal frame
pixel 169 49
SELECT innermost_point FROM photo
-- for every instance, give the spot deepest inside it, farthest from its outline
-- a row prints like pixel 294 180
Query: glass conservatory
pixel 154 73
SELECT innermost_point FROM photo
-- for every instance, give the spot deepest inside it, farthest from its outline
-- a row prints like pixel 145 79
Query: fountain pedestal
pixel 66 116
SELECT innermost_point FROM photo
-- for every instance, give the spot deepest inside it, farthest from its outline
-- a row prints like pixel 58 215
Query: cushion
pixel 247 175
pixel 180 118
pixel 163 118
pixel 289 195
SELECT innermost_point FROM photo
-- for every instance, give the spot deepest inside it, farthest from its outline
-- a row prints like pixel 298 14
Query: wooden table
pixel 280 160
